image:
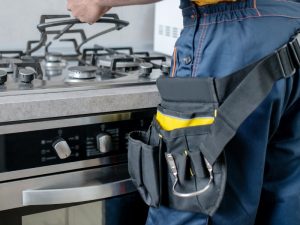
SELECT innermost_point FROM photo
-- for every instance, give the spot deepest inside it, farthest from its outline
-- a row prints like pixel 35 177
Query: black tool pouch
pixel 166 163
pixel 180 161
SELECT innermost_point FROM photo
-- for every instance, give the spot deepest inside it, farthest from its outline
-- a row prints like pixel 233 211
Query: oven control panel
pixel 68 144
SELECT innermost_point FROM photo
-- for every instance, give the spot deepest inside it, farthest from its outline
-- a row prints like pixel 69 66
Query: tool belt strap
pixel 244 90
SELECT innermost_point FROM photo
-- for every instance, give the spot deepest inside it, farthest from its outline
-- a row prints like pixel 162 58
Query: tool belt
pixel 179 162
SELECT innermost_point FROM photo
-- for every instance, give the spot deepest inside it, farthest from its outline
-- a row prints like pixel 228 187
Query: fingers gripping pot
pixel 166 163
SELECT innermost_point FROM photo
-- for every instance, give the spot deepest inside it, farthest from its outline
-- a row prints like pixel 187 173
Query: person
pixel 220 37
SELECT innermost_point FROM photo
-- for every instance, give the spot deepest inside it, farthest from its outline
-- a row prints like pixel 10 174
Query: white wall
pixel 18 20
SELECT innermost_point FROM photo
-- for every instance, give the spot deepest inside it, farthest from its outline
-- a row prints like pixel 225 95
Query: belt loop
pixel 195 10
pixel 194 15
pixel 190 15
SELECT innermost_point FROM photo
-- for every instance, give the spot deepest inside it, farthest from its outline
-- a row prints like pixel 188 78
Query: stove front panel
pixel 93 141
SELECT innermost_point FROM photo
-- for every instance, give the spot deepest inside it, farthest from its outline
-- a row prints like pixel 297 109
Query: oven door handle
pixel 77 194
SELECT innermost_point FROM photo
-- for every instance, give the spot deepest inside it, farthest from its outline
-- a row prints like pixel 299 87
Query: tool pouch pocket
pixel 167 164
pixel 143 166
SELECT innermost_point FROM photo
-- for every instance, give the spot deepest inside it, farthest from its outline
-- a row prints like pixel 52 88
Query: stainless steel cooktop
pixel 26 72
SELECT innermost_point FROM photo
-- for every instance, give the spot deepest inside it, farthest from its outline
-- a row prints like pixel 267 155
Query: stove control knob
pixel 3 77
pixel 62 148
pixel 27 75
pixel 146 68
pixel 165 68
pixel 104 142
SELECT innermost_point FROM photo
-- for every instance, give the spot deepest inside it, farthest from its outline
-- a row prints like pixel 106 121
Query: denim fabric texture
pixel 263 186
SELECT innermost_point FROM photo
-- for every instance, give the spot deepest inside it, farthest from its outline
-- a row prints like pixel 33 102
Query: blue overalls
pixel 263 184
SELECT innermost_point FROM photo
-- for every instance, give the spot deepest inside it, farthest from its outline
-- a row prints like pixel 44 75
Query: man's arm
pixel 124 2
pixel 91 10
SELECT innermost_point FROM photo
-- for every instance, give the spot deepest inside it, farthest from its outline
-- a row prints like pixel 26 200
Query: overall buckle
pixel 294 45
pixel 285 61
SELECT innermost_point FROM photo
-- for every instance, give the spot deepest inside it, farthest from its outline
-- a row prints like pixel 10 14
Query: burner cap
pixel 146 68
pixel 82 72
pixel 26 75
pixel 53 57
pixel 26 72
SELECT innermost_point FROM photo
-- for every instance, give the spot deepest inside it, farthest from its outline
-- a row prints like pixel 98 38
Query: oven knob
pixel 104 142
pixel 146 68
pixel 165 68
pixel 3 77
pixel 62 148
pixel 27 75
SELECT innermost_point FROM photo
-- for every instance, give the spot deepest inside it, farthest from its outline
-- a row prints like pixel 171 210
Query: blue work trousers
pixel 263 184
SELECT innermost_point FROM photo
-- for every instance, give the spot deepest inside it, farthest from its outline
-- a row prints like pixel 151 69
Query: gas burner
pixel 26 75
pixel 54 63
pixel 27 71
pixel 122 62
pixel 82 72
pixel 53 57
pixel 145 68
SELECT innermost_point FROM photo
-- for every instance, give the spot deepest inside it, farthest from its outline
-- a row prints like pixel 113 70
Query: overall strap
pixel 241 93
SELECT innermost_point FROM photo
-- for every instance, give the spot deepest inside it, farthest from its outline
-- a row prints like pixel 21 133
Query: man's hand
pixel 87 10
pixel 91 10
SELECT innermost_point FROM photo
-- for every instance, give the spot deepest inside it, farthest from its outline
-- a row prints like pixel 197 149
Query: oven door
pixel 35 179
pixel 99 196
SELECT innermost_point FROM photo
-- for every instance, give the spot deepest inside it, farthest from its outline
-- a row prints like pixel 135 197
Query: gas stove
pixel 26 72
